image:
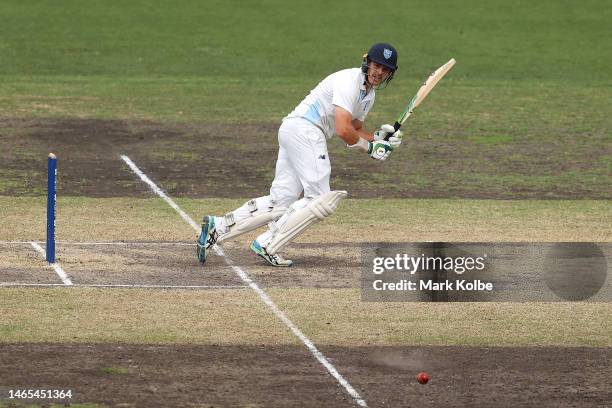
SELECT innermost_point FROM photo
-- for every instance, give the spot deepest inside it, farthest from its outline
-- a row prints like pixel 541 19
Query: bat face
pixel 424 90
pixel 433 79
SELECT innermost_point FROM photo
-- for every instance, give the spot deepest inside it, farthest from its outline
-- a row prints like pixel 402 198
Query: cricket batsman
pixel 338 105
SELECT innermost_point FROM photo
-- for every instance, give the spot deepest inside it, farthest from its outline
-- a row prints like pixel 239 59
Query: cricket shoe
pixel 272 259
pixel 208 237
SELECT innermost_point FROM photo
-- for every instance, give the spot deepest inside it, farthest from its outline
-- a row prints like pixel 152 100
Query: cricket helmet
pixel 384 54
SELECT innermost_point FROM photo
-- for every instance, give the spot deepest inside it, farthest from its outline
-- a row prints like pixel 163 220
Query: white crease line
pixel 160 193
pixel 93 285
pixel 102 243
pixel 58 269
pixel 263 295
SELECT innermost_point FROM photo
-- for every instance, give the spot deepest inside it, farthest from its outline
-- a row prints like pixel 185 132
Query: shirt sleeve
pixel 346 93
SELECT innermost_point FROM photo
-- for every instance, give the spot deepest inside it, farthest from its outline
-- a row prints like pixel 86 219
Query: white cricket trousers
pixel 303 163
pixel 302 166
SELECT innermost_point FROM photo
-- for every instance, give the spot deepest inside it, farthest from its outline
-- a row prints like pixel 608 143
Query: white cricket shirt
pixel 345 89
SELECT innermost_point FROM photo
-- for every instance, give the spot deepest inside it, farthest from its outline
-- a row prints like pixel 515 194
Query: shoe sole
pixel 201 253
pixel 201 249
pixel 256 251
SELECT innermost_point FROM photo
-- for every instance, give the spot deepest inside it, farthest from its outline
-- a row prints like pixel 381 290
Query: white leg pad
pixel 300 216
pixel 257 216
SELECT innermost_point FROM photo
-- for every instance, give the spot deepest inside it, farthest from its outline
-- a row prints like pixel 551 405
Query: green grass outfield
pixel 562 41
pixel 533 68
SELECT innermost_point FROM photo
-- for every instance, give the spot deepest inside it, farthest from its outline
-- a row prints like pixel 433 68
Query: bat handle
pixel 397 127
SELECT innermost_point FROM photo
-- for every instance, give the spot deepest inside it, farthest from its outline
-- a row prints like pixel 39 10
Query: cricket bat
pixel 423 91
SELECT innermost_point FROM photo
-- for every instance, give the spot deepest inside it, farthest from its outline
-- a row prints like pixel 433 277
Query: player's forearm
pixel 351 135
pixel 354 140
pixel 364 134
pixel 351 130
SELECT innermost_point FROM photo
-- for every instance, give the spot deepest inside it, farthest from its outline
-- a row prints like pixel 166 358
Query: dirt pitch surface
pixel 201 160
pixel 281 376
pixel 171 264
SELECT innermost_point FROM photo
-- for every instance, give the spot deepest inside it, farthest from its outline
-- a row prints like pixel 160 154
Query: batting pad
pixel 297 219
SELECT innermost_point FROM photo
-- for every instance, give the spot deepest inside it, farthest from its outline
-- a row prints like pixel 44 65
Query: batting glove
pixel 379 149
pixel 396 137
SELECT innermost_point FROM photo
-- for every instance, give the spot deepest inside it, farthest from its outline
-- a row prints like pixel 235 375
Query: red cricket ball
pixel 422 377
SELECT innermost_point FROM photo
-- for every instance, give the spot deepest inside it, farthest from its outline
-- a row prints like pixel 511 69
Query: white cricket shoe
pixel 208 237
pixel 272 259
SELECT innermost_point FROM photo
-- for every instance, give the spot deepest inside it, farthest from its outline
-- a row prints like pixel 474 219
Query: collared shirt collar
pixel 362 85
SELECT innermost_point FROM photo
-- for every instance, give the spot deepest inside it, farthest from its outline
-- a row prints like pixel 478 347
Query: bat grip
pixel 397 127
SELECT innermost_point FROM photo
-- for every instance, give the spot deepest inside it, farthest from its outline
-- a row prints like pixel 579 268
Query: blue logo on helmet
pixel 387 53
